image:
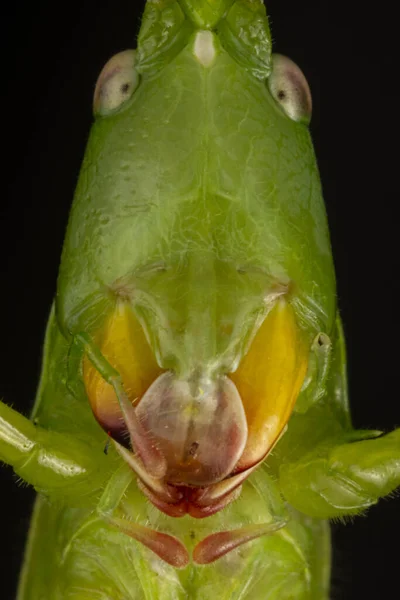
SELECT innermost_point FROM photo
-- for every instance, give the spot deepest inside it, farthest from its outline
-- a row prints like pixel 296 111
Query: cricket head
pixel 204 272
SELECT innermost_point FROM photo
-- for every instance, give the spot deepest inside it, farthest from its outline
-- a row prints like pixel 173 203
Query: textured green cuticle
pixel 242 27
pixel 245 34
pixel 207 13
pixel 165 31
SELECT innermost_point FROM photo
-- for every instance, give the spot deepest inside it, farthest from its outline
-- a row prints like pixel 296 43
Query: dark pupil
pixel 125 88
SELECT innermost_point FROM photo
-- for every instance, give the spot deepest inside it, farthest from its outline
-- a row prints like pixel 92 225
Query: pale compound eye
pixel 116 83
pixel 290 89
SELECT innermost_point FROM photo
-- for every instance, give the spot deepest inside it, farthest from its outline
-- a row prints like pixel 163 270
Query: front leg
pixel 343 478
pixel 57 465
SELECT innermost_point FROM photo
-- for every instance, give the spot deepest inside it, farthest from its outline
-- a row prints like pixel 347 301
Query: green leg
pixel 61 466
pixel 343 479
pixel 57 465
pixel 141 441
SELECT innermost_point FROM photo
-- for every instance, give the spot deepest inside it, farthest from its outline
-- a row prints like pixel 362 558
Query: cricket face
pixel 197 434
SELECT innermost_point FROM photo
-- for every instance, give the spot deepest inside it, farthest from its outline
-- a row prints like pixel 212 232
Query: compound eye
pixel 116 83
pixel 290 89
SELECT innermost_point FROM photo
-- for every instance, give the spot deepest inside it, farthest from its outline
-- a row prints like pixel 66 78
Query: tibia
pixel 157 486
pixel 56 464
pixel 344 479
pixel 141 441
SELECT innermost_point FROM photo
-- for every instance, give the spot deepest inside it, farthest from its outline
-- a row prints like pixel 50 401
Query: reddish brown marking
pixel 167 547
pixel 217 545
pixel 200 512
pixel 178 509
pixel 188 503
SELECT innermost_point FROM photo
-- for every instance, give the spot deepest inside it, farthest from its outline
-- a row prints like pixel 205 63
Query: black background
pixel 52 54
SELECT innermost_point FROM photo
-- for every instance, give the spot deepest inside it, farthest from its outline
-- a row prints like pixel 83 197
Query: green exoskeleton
pixel 195 327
